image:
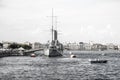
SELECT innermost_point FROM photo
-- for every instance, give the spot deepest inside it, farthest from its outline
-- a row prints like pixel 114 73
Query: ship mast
pixel 52 24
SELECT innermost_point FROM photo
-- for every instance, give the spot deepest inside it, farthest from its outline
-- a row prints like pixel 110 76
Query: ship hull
pixel 52 53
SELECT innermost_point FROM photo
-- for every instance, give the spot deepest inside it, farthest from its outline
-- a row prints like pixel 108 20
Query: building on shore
pixel 81 46
pixel 111 46
pixel 87 46
pixel 73 46
pixel 36 45
pixel 28 43
pixel 6 44
pixel 96 47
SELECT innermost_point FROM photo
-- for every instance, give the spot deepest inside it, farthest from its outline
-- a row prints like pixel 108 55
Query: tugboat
pixel 54 48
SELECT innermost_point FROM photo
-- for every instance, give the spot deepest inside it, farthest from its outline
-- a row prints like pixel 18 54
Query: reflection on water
pixel 64 68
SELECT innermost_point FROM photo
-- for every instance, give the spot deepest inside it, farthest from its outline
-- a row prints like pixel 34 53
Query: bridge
pixel 33 50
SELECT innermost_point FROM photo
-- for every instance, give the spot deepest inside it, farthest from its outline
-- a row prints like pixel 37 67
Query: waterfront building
pixel 74 46
pixel 66 46
pixel 6 44
pixel 118 47
pixel 87 46
pixel 110 46
pixel 28 43
pixel 36 45
pixel 97 47
pixel 71 46
pixel 84 46
pixel 81 46
pixel 21 50
pixel 103 47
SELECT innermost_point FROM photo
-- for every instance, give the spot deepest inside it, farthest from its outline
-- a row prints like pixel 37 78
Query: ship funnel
pixel 55 34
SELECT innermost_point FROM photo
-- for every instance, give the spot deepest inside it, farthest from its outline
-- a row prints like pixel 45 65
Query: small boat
pixel 32 55
pixel 98 61
pixel 72 55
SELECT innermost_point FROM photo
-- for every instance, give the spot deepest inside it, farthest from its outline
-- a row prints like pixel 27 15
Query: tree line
pixel 16 45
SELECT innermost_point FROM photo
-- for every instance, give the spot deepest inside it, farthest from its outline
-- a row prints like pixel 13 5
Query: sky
pixel 77 20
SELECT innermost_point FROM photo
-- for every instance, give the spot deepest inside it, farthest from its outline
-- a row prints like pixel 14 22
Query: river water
pixel 62 68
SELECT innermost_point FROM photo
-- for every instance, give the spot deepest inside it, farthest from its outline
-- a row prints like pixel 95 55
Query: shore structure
pixel 10 52
pixel 54 48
